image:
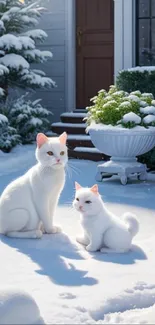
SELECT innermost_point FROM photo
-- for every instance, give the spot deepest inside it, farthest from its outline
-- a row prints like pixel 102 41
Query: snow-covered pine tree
pixel 18 45
pixel 8 135
pixel 28 117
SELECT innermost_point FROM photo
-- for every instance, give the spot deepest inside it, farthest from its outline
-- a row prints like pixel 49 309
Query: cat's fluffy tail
pixel 132 223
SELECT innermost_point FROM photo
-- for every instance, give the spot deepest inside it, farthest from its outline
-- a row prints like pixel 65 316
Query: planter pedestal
pixel 123 167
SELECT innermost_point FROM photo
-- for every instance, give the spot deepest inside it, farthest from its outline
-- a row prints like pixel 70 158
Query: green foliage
pixel 120 107
pixel 143 80
pixel 28 118
pixel 8 135
pixel 148 159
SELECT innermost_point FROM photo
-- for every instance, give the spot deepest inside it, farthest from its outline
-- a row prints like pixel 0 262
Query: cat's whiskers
pixel 74 167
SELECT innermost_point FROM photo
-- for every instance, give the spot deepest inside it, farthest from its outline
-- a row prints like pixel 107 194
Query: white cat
pixel 102 230
pixel 27 205
pixel 18 307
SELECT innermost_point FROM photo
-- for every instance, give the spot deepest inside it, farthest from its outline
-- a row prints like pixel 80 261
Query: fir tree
pixel 18 46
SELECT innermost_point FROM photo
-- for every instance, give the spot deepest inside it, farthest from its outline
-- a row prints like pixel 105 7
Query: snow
pixel 37 54
pixel 87 149
pixel 78 137
pixel 35 121
pixel 27 42
pixel 148 110
pixel 76 125
pixel 29 20
pixel 143 103
pixel 14 61
pixel 69 285
pixel 118 127
pixel 142 69
pixel 1 92
pixel 3 70
pixel 37 34
pixel 149 119
pixel 131 117
pixel 3 119
pixel 134 98
pixel 72 114
pixel 35 79
pixel 10 41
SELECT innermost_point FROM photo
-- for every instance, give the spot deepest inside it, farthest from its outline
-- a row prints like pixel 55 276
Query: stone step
pixel 80 110
pixel 87 154
pixel 79 141
pixel 74 118
pixel 70 128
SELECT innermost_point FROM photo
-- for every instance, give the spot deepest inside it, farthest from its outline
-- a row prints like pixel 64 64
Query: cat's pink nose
pixel 58 160
pixel 80 207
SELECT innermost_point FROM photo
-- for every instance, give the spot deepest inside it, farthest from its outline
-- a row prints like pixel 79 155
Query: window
pixel 145 38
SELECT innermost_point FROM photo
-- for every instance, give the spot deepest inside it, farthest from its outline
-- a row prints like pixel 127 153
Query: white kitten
pixel 27 205
pixel 103 230
pixel 18 307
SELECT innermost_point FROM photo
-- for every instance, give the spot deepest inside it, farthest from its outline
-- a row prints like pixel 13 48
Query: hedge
pixel 143 79
pixel 138 78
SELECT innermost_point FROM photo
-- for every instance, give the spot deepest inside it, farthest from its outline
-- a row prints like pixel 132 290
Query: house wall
pixel 124 34
pixel 54 23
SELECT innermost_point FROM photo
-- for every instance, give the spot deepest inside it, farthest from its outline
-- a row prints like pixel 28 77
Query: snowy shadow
pixel 136 253
pixel 55 256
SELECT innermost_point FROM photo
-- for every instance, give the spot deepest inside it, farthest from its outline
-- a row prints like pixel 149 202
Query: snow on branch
pixel 36 80
pixel 14 61
pixel 37 55
pixel 36 34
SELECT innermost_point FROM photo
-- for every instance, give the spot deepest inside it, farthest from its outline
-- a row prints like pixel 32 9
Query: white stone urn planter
pixel 123 145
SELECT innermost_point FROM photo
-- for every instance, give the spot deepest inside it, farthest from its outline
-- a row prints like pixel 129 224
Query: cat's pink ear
pixel 94 189
pixel 41 139
pixel 63 138
pixel 77 186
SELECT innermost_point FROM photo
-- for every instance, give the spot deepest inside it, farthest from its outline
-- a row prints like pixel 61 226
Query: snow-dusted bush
pixel 18 46
pixel 27 117
pixel 142 78
pixel 8 135
pixel 117 107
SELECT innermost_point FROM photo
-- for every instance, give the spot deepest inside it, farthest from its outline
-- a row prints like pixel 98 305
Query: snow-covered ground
pixel 70 285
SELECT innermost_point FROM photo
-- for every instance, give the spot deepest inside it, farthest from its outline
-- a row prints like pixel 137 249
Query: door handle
pixel 79 36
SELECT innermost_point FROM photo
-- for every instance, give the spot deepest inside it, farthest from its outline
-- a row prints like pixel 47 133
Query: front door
pixel 94 48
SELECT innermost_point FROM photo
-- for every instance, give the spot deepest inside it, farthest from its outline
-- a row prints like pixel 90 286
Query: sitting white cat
pixel 103 230
pixel 27 205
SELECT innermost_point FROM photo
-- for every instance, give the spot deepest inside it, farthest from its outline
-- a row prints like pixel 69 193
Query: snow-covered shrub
pixel 118 107
pixel 18 45
pixel 8 135
pixel 142 78
pixel 27 117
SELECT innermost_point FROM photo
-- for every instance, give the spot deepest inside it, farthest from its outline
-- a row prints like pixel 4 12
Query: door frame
pixel 124 44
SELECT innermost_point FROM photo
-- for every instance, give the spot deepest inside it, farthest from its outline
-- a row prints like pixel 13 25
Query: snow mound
pixel 148 110
pixel 18 307
pixel 149 119
pixel 142 69
pixel 131 117
pixel 37 34
pixel 142 295
pixel 14 61
pixel 3 119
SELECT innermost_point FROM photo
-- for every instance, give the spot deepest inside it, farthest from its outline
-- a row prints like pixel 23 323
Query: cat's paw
pixel 42 229
pixel 82 240
pixel 90 248
pixel 54 230
pixel 38 234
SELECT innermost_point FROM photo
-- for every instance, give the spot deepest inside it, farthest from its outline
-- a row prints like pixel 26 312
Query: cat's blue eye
pixel 88 202
pixel 77 199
